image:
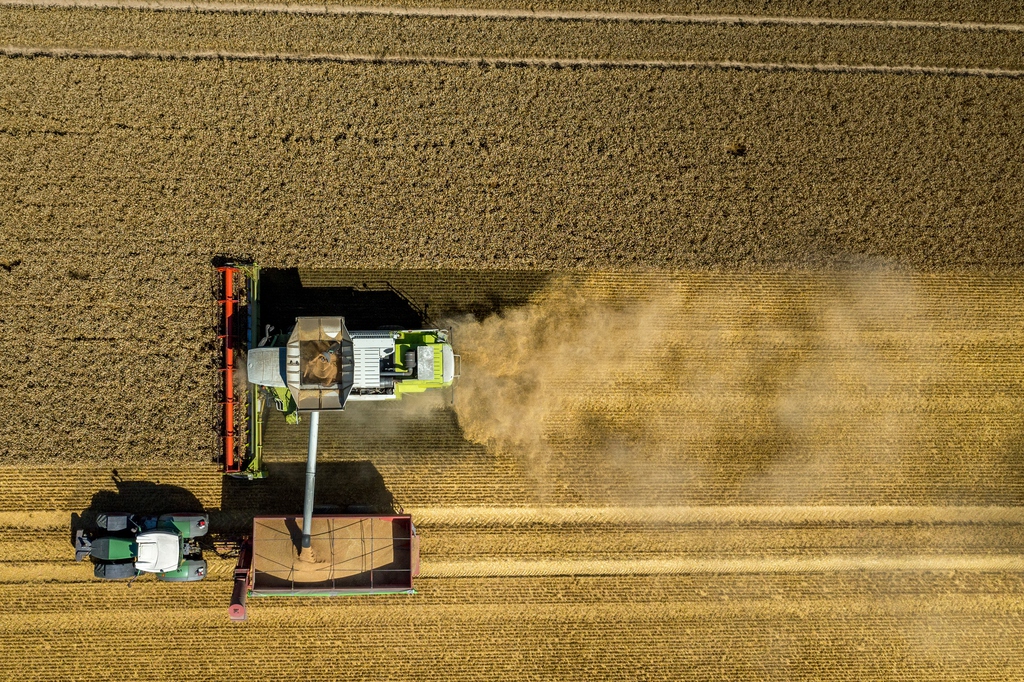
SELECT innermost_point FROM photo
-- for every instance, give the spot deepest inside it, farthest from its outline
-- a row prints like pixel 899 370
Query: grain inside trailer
pixel 350 555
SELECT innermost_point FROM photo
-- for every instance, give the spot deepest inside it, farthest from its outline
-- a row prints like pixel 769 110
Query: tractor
pixel 124 546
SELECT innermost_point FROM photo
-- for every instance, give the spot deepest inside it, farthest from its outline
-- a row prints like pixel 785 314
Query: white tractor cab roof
pixel 159 551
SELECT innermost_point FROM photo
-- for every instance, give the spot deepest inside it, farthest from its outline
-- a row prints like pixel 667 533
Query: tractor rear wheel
pixel 121 571
pixel 113 522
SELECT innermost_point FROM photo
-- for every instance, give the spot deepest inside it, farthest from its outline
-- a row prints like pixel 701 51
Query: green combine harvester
pixel 321 365
pixel 318 365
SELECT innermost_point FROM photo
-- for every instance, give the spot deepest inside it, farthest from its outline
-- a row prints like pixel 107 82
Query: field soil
pixel 741 347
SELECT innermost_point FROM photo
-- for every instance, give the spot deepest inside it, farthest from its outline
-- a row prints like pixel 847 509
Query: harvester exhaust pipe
pixel 307 504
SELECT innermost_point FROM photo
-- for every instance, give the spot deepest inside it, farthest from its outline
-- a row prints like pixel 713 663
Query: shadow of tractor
pixel 135 497
pixel 341 488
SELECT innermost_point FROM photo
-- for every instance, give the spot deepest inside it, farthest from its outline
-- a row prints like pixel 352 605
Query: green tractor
pixel 125 545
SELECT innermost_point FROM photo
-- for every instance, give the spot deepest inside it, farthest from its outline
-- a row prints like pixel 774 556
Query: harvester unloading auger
pixel 322 366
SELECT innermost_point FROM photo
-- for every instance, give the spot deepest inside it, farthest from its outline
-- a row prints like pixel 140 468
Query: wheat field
pixel 739 305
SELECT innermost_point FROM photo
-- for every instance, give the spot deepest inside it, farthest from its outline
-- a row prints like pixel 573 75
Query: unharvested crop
pixel 432 166
pixel 915 10
pixel 509 39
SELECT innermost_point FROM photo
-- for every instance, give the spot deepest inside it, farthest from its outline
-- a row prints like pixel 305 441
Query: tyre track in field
pixel 70 572
pixel 545 542
pixel 517 516
pixel 294 57
pixel 630 567
pixel 511 517
pixel 479 13
pixel 97 596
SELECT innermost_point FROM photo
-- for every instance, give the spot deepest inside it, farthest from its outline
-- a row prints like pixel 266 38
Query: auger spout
pixel 307 504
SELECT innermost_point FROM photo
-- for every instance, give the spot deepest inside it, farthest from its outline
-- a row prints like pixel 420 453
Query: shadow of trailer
pixel 351 554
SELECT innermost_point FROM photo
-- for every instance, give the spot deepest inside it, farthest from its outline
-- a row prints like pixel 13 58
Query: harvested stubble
pixel 851 388
pixel 741 625
pixel 917 625
pixel 270 33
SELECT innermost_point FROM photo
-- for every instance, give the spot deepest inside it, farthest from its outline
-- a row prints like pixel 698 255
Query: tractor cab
pixel 158 551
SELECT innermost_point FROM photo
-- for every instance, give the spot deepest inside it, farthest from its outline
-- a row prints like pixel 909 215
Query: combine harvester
pixel 321 366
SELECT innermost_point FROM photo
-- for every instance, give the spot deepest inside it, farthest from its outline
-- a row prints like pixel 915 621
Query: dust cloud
pixel 801 388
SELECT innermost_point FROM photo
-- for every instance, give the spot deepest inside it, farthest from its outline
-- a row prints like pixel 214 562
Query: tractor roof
pixel 158 551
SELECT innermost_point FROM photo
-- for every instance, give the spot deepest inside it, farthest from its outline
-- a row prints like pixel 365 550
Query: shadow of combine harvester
pixel 341 488
pixel 370 305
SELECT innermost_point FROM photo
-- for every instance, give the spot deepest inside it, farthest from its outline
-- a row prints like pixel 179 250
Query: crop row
pixel 53 486
pixel 848 639
pixel 913 10
pixel 26 554
pixel 813 591
pixel 509 39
